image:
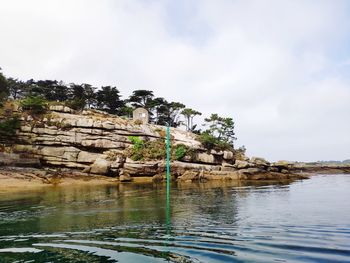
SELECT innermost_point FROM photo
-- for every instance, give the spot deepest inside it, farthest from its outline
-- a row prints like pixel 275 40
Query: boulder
pixel 100 166
pixel 87 157
pixel 259 161
pixel 125 178
pixel 61 108
pixel 228 155
pixel 214 152
pixel 282 165
pixel 241 164
pixel 141 169
pixel 204 158
pixel 116 165
pixel 189 175
pixel 158 178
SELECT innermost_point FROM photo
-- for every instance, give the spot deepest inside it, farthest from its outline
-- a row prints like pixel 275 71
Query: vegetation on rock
pixel 9 126
pixel 34 96
pixel 189 114
pixel 154 150
pixel 146 150
pixel 34 104
pixel 180 151
pixel 220 133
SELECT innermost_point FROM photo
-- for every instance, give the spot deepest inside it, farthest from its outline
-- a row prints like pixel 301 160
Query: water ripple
pixel 265 223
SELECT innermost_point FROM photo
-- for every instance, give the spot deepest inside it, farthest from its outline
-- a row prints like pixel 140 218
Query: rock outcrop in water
pixel 97 143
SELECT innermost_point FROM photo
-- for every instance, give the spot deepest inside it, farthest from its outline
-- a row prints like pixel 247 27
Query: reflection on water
pixel 304 221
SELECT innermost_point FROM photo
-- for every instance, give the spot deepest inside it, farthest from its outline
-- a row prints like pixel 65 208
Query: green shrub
pixel 180 152
pixel 34 104
pixel 9 126
pixel 207 140
pixel 211 142
pixel 76 104
pixel 146 150
pixel 136 141
pixel 155 150
pixel 136 153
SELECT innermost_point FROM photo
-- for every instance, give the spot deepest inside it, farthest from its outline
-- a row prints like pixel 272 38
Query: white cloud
pixel 278 67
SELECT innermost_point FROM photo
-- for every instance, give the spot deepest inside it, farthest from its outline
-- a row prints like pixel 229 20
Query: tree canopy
pixel 189 114
pixel 219 130
pixel 3 87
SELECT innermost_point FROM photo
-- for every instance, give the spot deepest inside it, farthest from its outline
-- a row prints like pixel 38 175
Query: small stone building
pixel 141 114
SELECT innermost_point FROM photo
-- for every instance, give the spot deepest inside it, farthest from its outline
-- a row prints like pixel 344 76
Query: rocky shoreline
pixel 93 143
pixel 320 168
pixel 14 179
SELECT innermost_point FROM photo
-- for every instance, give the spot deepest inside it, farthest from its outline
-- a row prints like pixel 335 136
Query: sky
pixel 279 68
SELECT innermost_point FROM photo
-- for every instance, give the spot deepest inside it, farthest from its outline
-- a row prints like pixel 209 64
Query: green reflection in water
pixel 167 211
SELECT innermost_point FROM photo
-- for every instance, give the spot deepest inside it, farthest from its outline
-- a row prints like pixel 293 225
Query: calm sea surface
pixel 303 221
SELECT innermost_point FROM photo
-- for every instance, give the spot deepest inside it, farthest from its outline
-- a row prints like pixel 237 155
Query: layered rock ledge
pixel 96 143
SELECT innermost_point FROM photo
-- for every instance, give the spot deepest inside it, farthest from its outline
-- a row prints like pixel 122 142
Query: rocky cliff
pixel 97 143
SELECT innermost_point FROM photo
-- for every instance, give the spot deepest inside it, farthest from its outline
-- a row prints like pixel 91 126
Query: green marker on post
pixel 167 212
pixel 168 159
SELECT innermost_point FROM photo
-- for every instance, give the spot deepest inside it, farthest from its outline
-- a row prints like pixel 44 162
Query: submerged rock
pixel 125 178
pixel 189 176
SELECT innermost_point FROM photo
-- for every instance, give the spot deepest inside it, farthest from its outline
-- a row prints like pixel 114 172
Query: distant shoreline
pixel 321 168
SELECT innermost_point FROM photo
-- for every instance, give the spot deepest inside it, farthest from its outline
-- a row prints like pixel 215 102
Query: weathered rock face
pixel 189 176
pixel 96 142
pixel 7 159
pixel 241 164
pixel 100 166
pixel 141 168
pixel 259 161
pixel 61 108
pixel 206 158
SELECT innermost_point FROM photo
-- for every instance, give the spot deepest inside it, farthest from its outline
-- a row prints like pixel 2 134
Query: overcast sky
pixel 279 68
